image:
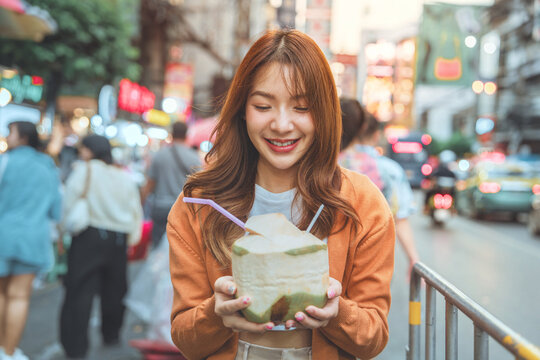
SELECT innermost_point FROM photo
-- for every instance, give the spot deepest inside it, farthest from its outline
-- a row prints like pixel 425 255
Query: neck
pixel 275 181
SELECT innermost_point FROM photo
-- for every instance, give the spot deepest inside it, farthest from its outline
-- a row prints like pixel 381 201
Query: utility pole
pixel 242 30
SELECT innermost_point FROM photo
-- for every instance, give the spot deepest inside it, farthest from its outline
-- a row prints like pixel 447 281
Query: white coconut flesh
pixel 283 272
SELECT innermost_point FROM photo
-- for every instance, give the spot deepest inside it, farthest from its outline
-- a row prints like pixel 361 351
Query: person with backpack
pixel 361 133
pixel 166 176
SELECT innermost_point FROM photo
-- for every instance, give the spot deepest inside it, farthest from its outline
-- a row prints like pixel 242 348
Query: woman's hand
pixel 317 317
pixel 228 307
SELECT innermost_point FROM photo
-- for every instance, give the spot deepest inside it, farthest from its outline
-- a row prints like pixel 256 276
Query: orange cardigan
pixel 362 262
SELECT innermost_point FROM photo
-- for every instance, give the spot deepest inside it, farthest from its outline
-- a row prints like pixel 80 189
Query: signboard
pixel 179 86
pixel 12 112
pixel 389 88
pixel 107 104
pixel 318 21
pixel 157 117
pixel 22 87
pixel 135 98
pixel 443 58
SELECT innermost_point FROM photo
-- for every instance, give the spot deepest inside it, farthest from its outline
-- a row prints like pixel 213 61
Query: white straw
pixel 315 218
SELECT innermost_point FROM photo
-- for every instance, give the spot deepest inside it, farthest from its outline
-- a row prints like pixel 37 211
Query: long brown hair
pixel 230 176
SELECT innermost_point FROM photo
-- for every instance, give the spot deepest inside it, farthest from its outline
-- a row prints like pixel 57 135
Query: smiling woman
pixel 279 125
pixel 276 149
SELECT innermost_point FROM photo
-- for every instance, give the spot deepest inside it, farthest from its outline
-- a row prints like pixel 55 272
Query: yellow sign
pixel 158 117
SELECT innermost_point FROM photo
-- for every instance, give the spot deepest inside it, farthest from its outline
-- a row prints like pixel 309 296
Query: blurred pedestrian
pixel 97 259
pixel 29 201
pixel 361 133
pixel 166 176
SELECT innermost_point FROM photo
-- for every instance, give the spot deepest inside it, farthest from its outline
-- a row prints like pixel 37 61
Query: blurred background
pixel 457 75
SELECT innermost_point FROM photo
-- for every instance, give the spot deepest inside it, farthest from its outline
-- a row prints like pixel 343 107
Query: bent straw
pixel 315 218
pixel 213 204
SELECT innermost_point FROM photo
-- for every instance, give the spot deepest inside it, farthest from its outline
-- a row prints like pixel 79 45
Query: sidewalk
pixel 41 335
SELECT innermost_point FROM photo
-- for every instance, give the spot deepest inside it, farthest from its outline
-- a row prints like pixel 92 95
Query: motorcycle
pixel 441 202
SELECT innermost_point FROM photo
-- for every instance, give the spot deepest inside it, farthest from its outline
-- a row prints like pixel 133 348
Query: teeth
pixel 281 143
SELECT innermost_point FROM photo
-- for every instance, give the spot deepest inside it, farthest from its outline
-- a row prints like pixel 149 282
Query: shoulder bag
pixel 78 218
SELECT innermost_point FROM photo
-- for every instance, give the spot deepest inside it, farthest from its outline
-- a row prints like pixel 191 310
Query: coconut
pixel 281 268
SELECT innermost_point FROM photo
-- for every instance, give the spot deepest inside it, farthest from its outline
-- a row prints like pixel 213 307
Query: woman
pixel 362 133
pixel 29 201
pixel 97 259
pixel 276 151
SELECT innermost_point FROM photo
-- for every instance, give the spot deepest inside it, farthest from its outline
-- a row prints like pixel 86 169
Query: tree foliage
pixel 91 47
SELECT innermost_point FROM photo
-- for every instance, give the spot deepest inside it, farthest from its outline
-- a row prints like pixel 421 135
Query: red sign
pixel 179 86
pixel 135 98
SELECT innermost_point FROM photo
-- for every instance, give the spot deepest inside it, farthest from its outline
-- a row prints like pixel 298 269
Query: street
pixel 495 262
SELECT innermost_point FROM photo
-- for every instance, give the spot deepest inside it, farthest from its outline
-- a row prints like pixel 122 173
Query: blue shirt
pixel 29 200
pixel 387 174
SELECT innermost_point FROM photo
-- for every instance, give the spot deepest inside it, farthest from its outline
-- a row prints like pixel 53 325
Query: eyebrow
pixel 270 96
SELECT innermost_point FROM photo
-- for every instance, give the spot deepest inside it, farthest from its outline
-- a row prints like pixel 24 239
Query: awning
pixel 21 21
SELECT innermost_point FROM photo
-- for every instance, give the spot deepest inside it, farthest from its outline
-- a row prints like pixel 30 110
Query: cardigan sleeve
pixel 361 327
pixel 195 328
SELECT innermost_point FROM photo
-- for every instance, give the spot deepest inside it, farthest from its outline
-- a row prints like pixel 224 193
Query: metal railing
pixel 485 324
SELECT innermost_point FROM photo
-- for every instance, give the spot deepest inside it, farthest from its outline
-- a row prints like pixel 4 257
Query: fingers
pixel 334 289
pixel 315 317
pixel 290 324
pixel 225 285
pixel 308 321
pixel 238 323
pixel 231 306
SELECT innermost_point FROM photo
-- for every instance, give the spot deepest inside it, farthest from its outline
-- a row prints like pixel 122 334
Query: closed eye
pixel 301 108
pixel 261 108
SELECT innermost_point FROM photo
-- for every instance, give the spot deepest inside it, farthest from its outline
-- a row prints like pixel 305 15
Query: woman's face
pixel 279 123
pixel 85 153
pixel 13 139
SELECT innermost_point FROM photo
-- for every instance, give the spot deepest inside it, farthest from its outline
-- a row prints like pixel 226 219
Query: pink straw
pixel 213 204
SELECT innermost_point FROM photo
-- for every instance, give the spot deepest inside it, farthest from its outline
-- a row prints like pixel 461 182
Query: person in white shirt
pixel 97 259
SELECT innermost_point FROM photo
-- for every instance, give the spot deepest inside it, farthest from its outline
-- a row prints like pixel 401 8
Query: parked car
pixel 498 187
pixel 534 214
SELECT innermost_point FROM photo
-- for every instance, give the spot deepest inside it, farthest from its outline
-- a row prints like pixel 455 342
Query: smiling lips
pixel 282 145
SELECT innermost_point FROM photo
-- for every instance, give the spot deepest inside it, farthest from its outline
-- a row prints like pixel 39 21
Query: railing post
pixel 481 348
pixel 415 317
pixel 451 331
pixel 486 325
pixel 431 316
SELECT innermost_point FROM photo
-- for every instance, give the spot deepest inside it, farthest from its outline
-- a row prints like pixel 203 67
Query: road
pixel 495 262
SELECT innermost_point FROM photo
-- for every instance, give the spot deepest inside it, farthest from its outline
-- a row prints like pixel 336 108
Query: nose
pixel 282 122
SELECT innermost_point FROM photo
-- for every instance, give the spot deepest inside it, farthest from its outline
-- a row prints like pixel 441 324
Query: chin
pixel 284 166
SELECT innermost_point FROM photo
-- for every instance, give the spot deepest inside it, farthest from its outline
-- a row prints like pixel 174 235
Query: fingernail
pixel 331 293
pixel 269 326
pixel 299 317
pixel 231 289
pixel 246 300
